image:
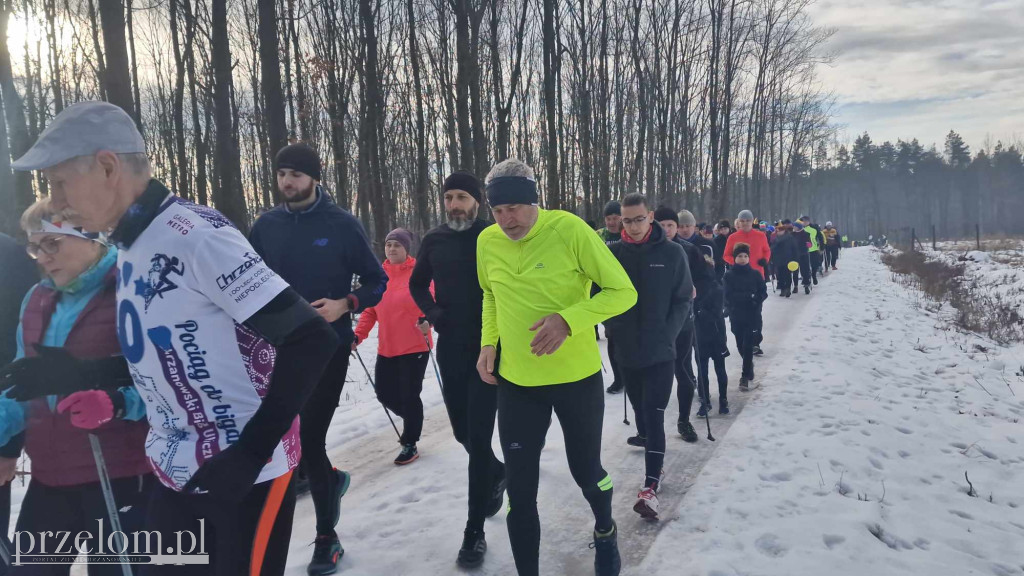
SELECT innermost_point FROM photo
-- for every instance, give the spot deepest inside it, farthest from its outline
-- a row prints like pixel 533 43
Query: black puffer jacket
pixel 719 243
pixel 744 291
pixel 645 334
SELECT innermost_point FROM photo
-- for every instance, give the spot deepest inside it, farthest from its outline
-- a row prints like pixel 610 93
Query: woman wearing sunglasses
pixel 68 381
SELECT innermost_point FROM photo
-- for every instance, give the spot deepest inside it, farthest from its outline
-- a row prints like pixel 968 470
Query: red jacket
pixel 758 247
pixel 397 314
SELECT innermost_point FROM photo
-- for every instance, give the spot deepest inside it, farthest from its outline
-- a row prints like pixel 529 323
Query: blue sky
pixel 918 68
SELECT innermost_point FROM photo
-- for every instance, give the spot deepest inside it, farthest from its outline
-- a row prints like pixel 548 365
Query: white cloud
pixel 919 68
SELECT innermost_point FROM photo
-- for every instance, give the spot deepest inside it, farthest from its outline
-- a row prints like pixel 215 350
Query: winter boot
pixel 327 552
pixel 647 503
pixel 687 432
pixel 408 455
pixel 615 388
pixel 814 279
pixel 638 441
pixel 474 546
pixel 807 288
pixel 497 495
pixel 607 561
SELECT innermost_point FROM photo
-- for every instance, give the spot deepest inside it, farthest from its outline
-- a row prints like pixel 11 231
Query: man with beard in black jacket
pixel 317 247
pixel 647 349
pixel 448 258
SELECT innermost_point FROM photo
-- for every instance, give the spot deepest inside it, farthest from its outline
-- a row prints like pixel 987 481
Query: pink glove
pixel 89 409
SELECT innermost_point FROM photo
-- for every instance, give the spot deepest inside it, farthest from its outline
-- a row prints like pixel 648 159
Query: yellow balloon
pixel 793 266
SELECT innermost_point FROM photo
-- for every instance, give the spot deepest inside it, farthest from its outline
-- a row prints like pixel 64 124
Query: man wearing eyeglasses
pixel 660 272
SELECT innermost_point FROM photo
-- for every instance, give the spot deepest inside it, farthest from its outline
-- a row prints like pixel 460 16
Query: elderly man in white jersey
pixel 223 352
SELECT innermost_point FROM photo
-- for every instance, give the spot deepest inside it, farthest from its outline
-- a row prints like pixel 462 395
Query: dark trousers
pixel 686 381
pixel 616 374
pixel 746 325
pixel 805 270
pixel 785 278
pixel 704 355
pixel 314 421
pixel 250 537
pixel 524 415
pixel 74 509
pixel 471 405
pixel 399 383
pixel 815 264
pixel 649 390
pixel 831 255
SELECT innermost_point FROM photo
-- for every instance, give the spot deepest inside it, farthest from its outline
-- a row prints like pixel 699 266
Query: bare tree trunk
pixel 419 191
pixel 14 114
pixel 118 81
pixel 270 76
pixel 227 196
pixel 554 197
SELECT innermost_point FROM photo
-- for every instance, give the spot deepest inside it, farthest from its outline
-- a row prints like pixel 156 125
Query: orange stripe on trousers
pixel 267 520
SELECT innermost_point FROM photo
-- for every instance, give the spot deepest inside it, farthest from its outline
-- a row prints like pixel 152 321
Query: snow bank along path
pixel 857 386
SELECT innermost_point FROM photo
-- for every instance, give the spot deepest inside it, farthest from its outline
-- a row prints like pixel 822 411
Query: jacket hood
pixel 409 263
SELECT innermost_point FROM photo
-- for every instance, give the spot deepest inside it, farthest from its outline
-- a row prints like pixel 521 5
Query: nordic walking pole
pixel 108 497
pixel 430 352
pixel 625 417
pixel 370 378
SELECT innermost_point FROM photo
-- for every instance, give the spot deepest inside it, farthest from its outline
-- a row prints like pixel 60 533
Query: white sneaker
pixel 647 504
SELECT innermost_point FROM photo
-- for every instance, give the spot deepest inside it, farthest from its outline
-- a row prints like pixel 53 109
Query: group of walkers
pixel 199 369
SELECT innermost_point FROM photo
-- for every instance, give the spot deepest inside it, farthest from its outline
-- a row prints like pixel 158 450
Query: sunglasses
pixel 49 246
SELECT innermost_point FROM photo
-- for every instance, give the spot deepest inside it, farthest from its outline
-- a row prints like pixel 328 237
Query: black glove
pixel 762 263
pixel 229 475
pixel 56 372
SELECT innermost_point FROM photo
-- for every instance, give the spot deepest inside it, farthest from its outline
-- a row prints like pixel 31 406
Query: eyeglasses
pixel 637 220
pixel 49 245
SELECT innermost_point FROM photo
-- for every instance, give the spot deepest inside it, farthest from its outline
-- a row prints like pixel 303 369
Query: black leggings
pixel 399 382
pixel 746 325
pixel 649 390
pixel 685 378
pixel 255 531
pixel 315 419
pixel 805 270
pixel 815 263
pixel 616 373
pixel 471 405
pixel 831 255
pixel 704 378
pixel 74 509
pixel 784 277
pixel 524 415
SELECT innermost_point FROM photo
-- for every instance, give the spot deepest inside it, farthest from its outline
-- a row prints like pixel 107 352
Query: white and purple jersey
pixel 187 283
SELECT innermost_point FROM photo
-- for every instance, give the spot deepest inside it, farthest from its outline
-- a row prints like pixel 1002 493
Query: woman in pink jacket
pixel 403 343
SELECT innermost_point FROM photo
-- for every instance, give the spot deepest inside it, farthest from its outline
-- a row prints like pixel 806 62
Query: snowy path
pixel 409 520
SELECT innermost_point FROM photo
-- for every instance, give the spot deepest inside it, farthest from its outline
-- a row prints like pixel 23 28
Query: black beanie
pixel 464 181
pixel 613 207
pixel 740 248
pixel 301 158
pixel 665 213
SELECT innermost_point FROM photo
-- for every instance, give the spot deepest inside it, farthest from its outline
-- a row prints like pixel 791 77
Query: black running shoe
pixel 757 351
pixel 327 552
pixel 744 384
pixel 474 546
pixel 815 280
pixel 807 289
pixel 497 495
pixel 408 455
pixel 723 407
pixel 638 441
pixel 687 432
pixel 607 561
pixel 615 388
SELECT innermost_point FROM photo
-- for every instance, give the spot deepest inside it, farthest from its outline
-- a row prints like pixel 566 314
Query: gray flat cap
pixel 83 129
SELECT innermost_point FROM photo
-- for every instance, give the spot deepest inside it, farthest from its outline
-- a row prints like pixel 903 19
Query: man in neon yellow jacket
pixel 535 268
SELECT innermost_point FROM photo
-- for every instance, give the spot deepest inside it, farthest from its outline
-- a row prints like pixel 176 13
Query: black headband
pixel 511 190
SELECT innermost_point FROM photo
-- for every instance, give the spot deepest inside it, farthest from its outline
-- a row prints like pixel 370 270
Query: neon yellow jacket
pixel 814 238
pixel 548 271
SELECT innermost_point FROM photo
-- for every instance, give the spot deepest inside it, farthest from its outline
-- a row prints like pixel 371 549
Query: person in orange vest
pixel 403 343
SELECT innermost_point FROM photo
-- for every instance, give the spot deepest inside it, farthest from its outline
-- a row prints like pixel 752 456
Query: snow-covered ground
pixel 849 459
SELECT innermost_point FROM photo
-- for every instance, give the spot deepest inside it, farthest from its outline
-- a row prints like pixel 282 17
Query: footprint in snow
pixel 904 430
pixel 769 545
pixel 963 515
pixel 832 540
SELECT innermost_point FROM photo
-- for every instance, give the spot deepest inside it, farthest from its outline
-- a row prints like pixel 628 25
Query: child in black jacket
pixel 745 291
